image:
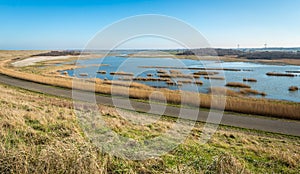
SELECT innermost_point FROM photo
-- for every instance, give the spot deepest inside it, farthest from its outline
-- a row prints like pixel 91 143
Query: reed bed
pixel 185 81
pixel 172 71
pixel 249 80
pixel 206 73
pixel 293 88
pixel 101 72
pixel 214 77
pixel 189 76
pixel 161 71
pixel 246 105
pixel 292 71
pixel 189 68
pixel 280 74
pixel 150 79
pixel 83 74
pixel 150 75
pixel 171 83
pixel 222 91
pixel 198 82
pixel 247 91
pixel 237 85
pixel 121 73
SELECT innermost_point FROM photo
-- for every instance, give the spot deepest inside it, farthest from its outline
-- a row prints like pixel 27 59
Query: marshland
pixel 209 73
pixel 43 135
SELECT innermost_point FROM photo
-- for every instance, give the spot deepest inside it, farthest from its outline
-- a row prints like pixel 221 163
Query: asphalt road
pixel 282 126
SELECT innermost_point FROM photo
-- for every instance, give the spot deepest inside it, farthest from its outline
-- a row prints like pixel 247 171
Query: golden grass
pixel 265 107
pixel 237 85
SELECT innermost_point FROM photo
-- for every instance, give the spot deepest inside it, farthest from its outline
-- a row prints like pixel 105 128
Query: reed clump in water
pixel 83 74
pixel 222 91
pixel 237 85
pixel 175 71
pixel 161 71
pixel 280 74
pixel 185 81
pixel 206 73
pixel 249 80
pixel 150 79
pixel 122 73
pixel 248 91
pixel 187 76
pixel 214 77
pixel 101 72
pixel 293 88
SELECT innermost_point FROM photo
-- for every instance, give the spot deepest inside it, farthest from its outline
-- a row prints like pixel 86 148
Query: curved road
pixel 281 126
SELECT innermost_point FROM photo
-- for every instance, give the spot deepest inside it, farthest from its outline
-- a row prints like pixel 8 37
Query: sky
pixel 71 24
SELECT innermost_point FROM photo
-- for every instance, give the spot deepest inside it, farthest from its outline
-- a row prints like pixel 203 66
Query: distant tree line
pixel 210 52
pixel 271 55
pixel 239 53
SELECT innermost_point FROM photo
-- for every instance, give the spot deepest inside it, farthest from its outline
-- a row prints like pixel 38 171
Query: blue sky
pixel 65 24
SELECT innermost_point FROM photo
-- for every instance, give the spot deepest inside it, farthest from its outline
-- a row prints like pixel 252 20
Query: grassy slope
pixel 40 134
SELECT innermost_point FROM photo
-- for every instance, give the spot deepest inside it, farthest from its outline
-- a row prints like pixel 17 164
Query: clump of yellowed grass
pixel 237 85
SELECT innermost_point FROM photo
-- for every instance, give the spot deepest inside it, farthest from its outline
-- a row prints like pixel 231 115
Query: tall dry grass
pixel 246 105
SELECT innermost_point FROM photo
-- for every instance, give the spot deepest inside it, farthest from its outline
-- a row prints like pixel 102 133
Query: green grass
pixel 41 134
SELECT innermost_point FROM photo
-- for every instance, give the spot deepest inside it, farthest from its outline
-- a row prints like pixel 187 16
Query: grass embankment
pixel 41 134
pixel 240 104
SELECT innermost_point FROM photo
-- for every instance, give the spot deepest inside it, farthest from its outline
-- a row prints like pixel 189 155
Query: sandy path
pixel 34 60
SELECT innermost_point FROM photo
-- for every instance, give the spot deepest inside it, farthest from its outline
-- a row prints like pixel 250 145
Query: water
pixel 275 87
